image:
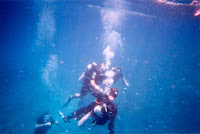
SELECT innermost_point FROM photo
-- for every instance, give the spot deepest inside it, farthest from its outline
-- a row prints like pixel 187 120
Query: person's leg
pixel 93 111
pixel 84 90
pixel 77 114
pixel 80 95
pixel 84 119
pixel 76 95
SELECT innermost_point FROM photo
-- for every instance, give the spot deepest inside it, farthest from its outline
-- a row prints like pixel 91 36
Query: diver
pixel 44 123
pixel 118 74
pixel 101 111
pixel 92 77
pixel 112 76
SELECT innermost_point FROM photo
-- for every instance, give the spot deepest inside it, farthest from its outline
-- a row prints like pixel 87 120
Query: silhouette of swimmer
pixel 44 123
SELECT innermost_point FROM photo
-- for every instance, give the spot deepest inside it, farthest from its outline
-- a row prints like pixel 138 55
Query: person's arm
pixel 93 83
pixel 74 114
pixel 95 86
pixel 112 119
pixel 99 95
pixel 82 76
pixel 124 81
pixel 53 121
pixel 44 124
pixel 93 77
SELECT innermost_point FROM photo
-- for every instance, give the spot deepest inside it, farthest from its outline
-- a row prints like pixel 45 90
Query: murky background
pixel 46 45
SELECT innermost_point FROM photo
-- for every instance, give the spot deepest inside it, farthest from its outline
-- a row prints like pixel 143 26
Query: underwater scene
pixel 99 66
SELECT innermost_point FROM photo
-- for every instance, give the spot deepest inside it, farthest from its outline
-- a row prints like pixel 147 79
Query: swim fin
pixel 64 118
pixel 62 115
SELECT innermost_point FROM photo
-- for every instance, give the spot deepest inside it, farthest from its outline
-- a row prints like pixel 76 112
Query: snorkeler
pixel 92 77
pixel 101 111
pixel 44 123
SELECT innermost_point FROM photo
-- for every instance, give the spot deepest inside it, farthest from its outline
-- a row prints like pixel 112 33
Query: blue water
pixel 46 45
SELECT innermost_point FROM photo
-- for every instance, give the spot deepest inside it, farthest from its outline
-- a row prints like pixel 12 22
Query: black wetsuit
pixel 91 73
pixel 44 118
pixel 111 111
pixel 107 116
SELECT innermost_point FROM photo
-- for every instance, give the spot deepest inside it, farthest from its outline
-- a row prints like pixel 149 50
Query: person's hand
pixel 57 123
pixel 127 84
pixel 124 80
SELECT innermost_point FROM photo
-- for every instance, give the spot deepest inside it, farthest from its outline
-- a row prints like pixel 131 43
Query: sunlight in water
pixel 46 27
pixel 112 20
pixel 50 71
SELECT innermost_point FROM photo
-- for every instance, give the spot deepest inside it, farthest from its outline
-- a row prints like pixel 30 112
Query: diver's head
pixel 102 67
pixel 47 115
pixel 112 93
pixel 117 69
